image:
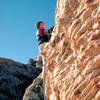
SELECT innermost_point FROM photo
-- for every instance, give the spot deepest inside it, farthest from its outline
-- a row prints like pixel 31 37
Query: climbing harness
pixel 44 81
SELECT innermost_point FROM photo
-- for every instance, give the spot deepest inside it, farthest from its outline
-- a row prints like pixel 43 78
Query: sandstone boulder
pixel 73 54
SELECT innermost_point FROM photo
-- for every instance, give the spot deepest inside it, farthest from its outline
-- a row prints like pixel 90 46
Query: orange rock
pixel 73 53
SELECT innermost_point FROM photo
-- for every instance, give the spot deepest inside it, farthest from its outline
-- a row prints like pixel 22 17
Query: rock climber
pixel 43 35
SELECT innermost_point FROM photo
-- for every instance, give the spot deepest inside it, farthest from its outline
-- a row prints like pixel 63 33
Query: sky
pixel 18 39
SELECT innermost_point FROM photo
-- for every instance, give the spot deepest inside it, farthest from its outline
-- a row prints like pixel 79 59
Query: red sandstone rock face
pixel 73 54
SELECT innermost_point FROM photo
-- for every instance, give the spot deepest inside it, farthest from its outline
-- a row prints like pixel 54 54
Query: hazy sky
pixel 17 27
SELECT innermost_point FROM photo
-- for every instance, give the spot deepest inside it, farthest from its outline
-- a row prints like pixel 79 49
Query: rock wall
pixel 73 54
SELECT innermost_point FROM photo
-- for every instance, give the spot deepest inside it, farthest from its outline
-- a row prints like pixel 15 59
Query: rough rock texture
pixel 32 62
pixel 73 54
pixel 15 78
pixel 35 90
pixel 39 62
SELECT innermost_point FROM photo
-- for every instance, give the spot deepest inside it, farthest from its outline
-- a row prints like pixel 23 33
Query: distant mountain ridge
pixel 15 77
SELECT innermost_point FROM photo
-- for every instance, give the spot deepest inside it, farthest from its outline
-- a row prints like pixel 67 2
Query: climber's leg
pixel 42 52
pixel 41 48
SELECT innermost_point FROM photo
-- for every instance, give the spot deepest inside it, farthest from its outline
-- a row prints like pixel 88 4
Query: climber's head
pixel 39 25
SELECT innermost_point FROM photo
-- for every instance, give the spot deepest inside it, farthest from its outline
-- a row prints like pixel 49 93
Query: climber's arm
pixel 49 31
